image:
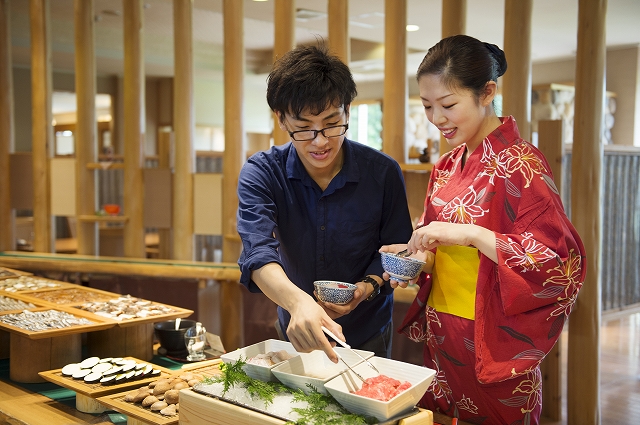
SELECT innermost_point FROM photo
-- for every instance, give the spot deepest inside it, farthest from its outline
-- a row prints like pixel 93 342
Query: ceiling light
pixel 307 14
pixel 411 28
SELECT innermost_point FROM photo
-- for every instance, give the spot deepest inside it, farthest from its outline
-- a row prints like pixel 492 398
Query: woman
pixel 505 264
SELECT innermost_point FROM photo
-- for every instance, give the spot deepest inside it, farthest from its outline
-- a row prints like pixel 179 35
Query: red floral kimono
pixel 485 326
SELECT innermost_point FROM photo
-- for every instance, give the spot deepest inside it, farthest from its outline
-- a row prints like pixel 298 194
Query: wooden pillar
pixel 338 12
pixel 454 22
pixel 184 129
pixel 164 161
pixel 516 83
pixel 285 26
pixel 394 102
pixel 86 127
pixel 6 127
pixel 551 144
pixel 134 128
pixel 583 389
pixel 42 130
pixel 231 305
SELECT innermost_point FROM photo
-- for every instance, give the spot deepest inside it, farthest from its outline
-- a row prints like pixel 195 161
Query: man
pixel 319 208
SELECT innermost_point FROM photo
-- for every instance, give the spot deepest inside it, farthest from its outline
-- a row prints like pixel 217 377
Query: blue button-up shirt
pixel 284 217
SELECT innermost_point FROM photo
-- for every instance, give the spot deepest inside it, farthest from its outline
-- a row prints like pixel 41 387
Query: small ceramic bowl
pixel 171 337
pixel 315 369
pixel 401 268
pixel 111 209
pixel 331 291
pixel 256 371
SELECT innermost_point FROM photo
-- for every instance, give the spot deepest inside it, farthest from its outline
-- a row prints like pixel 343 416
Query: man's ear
pixel 490 92
pixel 280 118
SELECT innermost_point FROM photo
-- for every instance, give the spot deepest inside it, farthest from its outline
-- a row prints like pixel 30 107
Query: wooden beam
pixel 42 130
pixel 7 240
pixel 394 103
pixel 516 83
pixel 583 389
pixel 454 22
pixel 86 126
pixel 184 129
pixel 551 144
pixel 284 20
pixel 231 309
pixel 338 12
pixel 165 140
pixel 454 17
pixel 134 128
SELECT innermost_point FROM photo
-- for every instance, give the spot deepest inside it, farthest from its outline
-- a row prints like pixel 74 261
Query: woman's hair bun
pixel 501 59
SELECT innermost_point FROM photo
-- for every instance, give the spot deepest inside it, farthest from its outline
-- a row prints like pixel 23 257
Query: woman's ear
pixel 490 92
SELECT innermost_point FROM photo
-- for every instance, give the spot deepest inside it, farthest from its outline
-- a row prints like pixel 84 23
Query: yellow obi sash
pixel 455 274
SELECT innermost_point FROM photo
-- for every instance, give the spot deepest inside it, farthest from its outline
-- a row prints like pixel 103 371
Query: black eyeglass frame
pixel 315 132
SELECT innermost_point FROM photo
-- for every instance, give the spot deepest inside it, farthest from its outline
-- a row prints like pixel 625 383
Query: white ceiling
pixel 554 33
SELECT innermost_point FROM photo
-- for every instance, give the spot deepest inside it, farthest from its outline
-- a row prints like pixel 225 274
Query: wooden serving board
pixel 97 389
pixel 135 410
pixel 99 323
pixel 198 409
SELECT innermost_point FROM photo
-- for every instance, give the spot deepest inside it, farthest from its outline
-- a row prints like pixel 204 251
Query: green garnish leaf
pixel 322 409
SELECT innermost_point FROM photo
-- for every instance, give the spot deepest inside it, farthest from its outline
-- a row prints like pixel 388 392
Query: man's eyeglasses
pixel 306 135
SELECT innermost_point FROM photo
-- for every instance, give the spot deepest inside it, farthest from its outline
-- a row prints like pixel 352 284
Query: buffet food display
pixel 34 308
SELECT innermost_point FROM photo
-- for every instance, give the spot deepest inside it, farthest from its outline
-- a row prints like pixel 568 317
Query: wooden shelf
pixel 105 165
pixel 417 167
pixel 103 218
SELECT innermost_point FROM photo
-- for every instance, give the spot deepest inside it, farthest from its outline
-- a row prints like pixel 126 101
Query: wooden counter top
pixel 119 265
pixel 19 406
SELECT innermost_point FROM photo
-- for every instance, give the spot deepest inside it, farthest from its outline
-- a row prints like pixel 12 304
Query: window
pixel 365 124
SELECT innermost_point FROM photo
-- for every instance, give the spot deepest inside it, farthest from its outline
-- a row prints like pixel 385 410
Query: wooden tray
pixel 58 284
pixel 19 297
pixel 65 294
pixel 135 410
pixel 206 367
pixel 178 312
pixel 99 323
pixel 6 273
pixel 97 389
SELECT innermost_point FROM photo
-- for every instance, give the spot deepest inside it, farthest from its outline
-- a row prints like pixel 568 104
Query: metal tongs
pixel 348 347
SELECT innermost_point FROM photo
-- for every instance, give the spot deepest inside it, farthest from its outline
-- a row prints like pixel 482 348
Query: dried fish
pixel 37 321
pixel 26 283
pixel 70 296
pixel 127 308
pixel 7 304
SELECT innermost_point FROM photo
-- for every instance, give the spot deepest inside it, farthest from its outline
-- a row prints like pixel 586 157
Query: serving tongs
pixel 348 347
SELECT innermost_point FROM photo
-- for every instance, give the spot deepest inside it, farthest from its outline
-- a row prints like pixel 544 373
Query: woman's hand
pixel 427 257
pixel 438 233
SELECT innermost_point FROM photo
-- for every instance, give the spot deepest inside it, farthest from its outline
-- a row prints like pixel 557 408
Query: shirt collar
pixel 350 171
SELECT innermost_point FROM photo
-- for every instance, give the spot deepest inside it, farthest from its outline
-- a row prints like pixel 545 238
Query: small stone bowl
pixel 401 268
pixel 331 291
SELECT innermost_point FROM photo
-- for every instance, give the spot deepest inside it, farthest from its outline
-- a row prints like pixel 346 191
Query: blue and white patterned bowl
pixel 331 291
pixel 401 268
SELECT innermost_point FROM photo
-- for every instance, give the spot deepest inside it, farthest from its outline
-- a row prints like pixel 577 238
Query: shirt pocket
pixel 358 240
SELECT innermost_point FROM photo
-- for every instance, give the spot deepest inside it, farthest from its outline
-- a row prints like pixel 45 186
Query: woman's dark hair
pixel 309 77
pixel 465 62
